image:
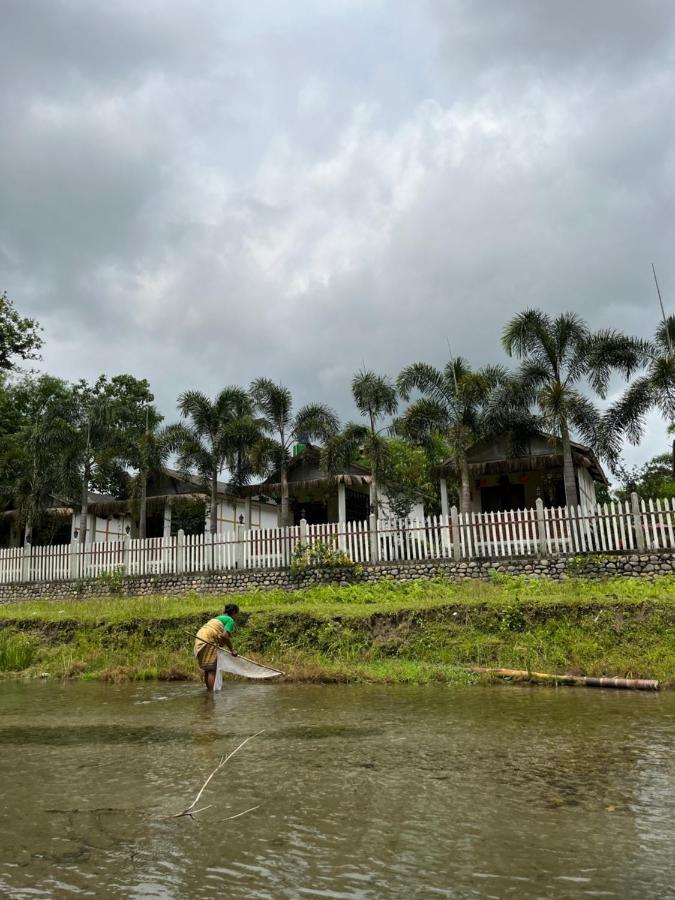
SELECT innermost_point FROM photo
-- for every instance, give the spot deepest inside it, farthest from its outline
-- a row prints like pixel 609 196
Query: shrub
pixel 320 555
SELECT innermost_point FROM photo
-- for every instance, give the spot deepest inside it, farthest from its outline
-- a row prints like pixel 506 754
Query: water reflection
pixel 365 792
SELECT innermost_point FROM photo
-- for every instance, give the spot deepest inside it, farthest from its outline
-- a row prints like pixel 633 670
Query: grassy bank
pixel 417 632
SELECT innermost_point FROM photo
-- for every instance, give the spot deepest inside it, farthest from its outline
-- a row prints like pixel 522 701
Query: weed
pixel 17 651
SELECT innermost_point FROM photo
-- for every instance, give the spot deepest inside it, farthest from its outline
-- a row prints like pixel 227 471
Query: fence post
pixel 126 553
pixel 456 545
pixel 303 532
pixel 25 561
pixel 541 529
pixel 637 522
pixel 74 559
pixel 180 551
pixel 240 532
pixel 372 535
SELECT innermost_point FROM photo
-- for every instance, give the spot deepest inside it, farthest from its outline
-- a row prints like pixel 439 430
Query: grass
pixel 417 632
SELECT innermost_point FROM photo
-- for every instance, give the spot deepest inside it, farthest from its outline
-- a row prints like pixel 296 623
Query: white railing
pixel 632 525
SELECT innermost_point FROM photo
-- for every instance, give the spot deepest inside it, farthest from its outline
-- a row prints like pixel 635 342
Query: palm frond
pixel 315 421
pixel 426 379
pixel 274 401
pixel 374 395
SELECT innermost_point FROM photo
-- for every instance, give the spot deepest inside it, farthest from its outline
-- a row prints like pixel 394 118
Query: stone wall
pixel 646 565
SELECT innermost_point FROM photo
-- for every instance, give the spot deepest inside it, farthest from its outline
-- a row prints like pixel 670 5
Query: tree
pixel 652 480
pixel 655 389
pixel 462 405
pixel 219 435
pixel 33 453
pixel 147 453
pixel 19 336
pixel 283 428
pixel 107 417
pixel 408 474
pixel 375 398
pixel 558 355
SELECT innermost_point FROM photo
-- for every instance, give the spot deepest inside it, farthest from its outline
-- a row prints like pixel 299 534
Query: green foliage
pixel 19 336
pixel 651 480
pixel 17 651
pixel 113 580
pixel 557 356
pixel 190 515
pixel 415 632
pixel 321 555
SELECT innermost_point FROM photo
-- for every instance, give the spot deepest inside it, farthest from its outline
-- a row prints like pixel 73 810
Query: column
pixel 342 516
pixel 168 509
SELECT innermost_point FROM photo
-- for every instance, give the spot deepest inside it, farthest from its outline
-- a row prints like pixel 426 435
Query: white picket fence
pixel 633 525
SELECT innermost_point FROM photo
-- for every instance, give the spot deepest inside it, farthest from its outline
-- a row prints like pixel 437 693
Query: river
pixel 363 791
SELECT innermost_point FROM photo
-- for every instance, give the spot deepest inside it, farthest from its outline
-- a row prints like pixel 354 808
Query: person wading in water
pixel 217 631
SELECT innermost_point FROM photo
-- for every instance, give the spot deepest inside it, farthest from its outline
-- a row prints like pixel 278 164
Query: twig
pixel 236 816
pixel 191 811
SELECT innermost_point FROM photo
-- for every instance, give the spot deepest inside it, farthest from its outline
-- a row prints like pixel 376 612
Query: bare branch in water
pixel 191 811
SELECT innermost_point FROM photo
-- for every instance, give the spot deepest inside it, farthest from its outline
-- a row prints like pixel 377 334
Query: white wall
pixel 586 488
pixel 263 515
pixel 417 511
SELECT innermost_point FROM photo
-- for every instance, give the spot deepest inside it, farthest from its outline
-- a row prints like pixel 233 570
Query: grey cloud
pixel 202 193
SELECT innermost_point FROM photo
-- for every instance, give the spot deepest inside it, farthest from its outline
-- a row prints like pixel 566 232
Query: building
pixel 320 498
pixel 501 480
pixel 169 496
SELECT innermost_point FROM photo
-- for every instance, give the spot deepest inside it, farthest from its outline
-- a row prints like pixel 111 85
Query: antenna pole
pixel 663 313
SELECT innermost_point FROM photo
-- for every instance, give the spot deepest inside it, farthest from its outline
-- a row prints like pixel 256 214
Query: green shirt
pixel 228 623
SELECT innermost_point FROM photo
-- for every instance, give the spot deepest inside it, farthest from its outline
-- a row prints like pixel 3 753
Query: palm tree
pixel 655 389
pixel 283 428
pixel 219 435
pixel 558 355
pixel 461 404
pixel 148 455
pixel 375 398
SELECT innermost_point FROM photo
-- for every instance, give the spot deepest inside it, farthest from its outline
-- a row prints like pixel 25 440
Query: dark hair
pixel 231 609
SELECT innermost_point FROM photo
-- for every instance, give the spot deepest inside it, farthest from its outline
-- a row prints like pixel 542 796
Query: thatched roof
pixel 273 488
pixel 582 456
pixel 308 462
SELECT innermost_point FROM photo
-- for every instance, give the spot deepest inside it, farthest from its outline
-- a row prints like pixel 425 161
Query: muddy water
pixel 365 792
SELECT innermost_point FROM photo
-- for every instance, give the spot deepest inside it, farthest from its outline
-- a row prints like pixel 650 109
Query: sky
pixel 201 192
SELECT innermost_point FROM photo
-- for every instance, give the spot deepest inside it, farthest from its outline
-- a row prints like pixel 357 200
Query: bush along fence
pixel 634 525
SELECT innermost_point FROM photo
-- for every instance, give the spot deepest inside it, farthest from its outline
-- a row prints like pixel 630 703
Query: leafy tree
pixel 408 475
pixel 34 447
pixel 219 435
pixel 654 479
pixel 283 427
pixel 19 336
pixel 558 355
pixel 462 405
pixel 375 398
pixel 655 389
pixel 107 417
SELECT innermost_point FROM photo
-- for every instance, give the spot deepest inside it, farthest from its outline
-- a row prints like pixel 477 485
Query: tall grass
pixel 17 651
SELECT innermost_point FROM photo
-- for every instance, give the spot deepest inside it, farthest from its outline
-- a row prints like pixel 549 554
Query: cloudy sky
pixel 203 191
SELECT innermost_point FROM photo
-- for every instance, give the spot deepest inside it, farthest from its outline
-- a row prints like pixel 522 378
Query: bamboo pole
pixel 631 684
pixel 239 655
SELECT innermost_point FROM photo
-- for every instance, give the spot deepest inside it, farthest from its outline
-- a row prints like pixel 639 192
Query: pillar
pixel 168 510
pixel 637 522
pixel 342 516
pixel 444 497
pixel 542 549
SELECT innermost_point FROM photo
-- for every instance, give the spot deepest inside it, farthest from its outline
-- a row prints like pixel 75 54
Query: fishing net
pixel 239 665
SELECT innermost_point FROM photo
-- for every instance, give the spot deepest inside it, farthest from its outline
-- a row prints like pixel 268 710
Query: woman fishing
pixel 216 633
